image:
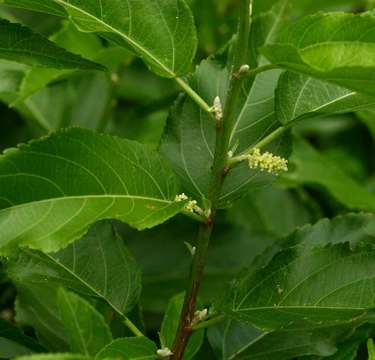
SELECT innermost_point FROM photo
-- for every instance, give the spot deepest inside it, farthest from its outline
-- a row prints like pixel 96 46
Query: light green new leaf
pixel 63 183
pixel 162 33
pixel 299 96
pixel 336 47
pixel 135 348
pixel 301 281
pixel 170 325
pixel 189 142
pixel 61 356
pixel 20 44
pixel 87 331
pixel 371 349
pixel 313 168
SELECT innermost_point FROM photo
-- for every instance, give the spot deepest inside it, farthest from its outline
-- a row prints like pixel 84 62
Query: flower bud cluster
pixel 199 316
pixel 267 162
pixel 164 353
pixel 191 206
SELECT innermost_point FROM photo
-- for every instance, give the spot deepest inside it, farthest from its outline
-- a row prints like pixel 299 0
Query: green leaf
pixel 371 349
pixel 189 142
pixel 301 280
pixel 162 33
pixel 166 271
pixel 265 27
pixel 260 211
pixel 314 168
pixel 80 100
pixel 54 357
pixel 299 97
pixel 87 331
pixel 231 337
pixel 11 75
pixel 236 340
pixel 335 47
pixel 69 38
pixel 135 348
pixel 114 276
pixel 170 325
pixel 20 44
pixel 77 178
pixel 36 307
pixel 14 343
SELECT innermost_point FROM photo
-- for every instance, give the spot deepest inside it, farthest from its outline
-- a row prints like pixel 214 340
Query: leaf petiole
pixel 264 142
pixel 208 323
pixel 194 96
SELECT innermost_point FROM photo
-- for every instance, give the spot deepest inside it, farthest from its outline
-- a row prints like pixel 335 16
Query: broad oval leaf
pixel 162 33
pixel 135 348
pixel 235 340
pixel 189 142
pixel 87 331
pixel 323 272
pixel 299 96
pixel 20 44
pixel 336 47
pixel 63 183
pixel 114 276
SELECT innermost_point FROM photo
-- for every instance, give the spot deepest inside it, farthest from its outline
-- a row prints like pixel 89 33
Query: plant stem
pixel 224 128
pixel 193 95
pixel 132 327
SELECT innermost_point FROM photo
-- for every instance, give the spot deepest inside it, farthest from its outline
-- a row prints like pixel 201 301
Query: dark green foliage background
pixel 332 173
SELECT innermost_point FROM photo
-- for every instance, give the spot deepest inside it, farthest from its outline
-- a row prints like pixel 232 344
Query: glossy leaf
pixel 312 167
pixel 299 97
pixel 301 282
pixel 190 137
pixel 336 47
pixel 20 44
pixel 117 179
pixel 135 348
pixel 170 325
pixel 87 331
pixel 161 33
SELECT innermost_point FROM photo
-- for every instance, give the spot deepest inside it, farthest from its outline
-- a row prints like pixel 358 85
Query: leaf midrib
pixel 84 197
pixel 137 46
